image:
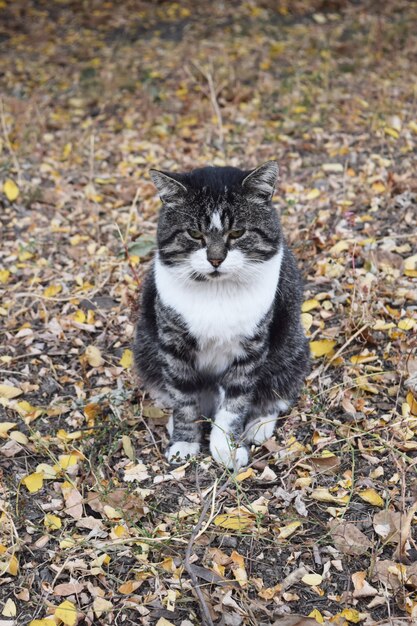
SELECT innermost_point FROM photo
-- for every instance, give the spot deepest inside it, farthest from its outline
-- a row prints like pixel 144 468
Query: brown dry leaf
pixel 387 525
pixel 67 589
pixel 405 531
pixel 326 464
pixel 348 539
pixel 295 620
pixel 238 568
pixel 391 574
pixel 73 501
pixel 362 589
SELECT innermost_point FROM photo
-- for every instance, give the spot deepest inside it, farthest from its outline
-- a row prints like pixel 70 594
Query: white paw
pixel 260 430
pixel 225 453
pixel 181 450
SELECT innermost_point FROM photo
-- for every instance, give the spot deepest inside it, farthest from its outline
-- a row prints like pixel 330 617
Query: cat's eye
pixel 195 234
pixel 235 234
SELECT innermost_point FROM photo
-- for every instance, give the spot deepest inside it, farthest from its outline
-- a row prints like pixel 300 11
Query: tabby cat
pixel 219 337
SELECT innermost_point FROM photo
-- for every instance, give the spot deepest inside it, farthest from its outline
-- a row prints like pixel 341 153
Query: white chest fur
pixel 220 314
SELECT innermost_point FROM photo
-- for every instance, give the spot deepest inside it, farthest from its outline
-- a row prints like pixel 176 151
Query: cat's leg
pixel 183 427
pixel 262 427
pixel 226 441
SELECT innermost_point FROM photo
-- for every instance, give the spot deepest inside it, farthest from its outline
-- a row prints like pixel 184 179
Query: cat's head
pixel 217 223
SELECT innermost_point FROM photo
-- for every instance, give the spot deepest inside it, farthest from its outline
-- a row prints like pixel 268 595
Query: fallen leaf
pixel 322 347
pixel 163 622
pixel 309 305
pixel 235 520
pixel 362 589
pixel 372 497
pixel 348 539
pixel 52 290
pixel 101 605
pixel 136 472
pixel 245 474
pixel 333 168
pixel 9 609
pixel 4 427
pixel 238 569
pixel 9 392
pixel 387 525
pixel 10 190
pixel 67 613
pixel 68 589
pixel 288 530
pixel 93 356
pixel 127 359
pixel 323 495
pixel 312 579
pixel 52 522
pixel 33 482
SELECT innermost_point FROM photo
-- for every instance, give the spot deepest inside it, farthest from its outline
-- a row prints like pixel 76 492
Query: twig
pixel 214 103
pixel 345 345
pixel 127 255
pixel 205 614
pixel 9 144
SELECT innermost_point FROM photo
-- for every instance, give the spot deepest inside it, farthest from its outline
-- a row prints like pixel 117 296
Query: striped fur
pixel 219 336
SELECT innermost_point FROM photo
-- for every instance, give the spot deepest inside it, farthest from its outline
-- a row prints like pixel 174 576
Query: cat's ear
pixel 260 183
pixel 169 189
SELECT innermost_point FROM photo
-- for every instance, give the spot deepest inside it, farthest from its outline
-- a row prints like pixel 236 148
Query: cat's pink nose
pixel 216 262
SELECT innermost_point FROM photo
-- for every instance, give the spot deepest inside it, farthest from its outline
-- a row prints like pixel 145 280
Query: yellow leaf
pixel 9 609
pixel 9 392
pixel 79 316
pixel 339 247
pixel 413 126
pixel 315 614
pixel 42 622
pixel 33 482
pixel 10 190
pixel 68 460
pixel 407 324
pixel 288 530
pixel 312 579
pixel 94 357
pixel 244 475
pixel 391 132
pixel 52 522
pixel 372 497
pixel 412 403
pixel 313 194
pixel 19 437
pixel 11 567
pixel 127 359
pixel 357 359
pixel 306 321
pixel 352 615
pixel 52 290
pixel 67 613
pixel 233 521
pixel 4 276
pixel 322 347
pixel 308 305
pixel 378 187
pixel 4 427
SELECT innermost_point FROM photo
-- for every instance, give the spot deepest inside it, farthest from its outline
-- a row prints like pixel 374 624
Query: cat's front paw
pixel 260 430
pixel 225 453
pixel 181 450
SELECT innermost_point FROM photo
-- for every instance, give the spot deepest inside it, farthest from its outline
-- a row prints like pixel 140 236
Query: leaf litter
pixel 94 525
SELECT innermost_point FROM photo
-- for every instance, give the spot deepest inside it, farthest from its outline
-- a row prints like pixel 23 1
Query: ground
pixel 95 526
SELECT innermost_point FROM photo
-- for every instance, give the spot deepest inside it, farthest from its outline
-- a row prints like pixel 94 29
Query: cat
pixel 219 336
